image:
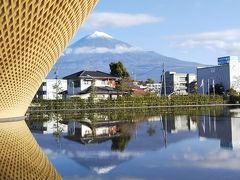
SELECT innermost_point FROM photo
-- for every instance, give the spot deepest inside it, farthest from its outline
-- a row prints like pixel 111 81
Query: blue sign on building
pixel 226 60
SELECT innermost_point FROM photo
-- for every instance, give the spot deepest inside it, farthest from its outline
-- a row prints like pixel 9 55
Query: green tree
pixel 92 97
pixel 149 81
pixel 125 84
pixel 141 83
pixel 151 130
pixel 194 88
pixel 232 92
pixel 233 95
pixel 117 69
pixel 120 143
pixel 219 89
pixel 58 89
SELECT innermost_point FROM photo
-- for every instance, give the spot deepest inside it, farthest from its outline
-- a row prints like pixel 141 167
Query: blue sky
pixel 191 30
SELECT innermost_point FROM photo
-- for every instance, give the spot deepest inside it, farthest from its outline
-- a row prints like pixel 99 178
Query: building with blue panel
pixel 226 59
pixel 226 73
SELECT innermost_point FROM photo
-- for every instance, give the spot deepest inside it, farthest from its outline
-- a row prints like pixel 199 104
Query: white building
pixel 51 89
pixel 225 73
pixel 178 83
pixel 49 127
pixel 79 84
pixel 100 130
pixel 155 87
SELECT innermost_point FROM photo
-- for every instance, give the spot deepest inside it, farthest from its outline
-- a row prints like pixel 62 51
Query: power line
pixel 158 67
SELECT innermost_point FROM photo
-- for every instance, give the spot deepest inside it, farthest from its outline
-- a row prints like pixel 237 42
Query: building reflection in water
pixel 178 123
pixel 101 145
pixel 87 132
pixel 20 155
pixel 225 128
pixel 51 126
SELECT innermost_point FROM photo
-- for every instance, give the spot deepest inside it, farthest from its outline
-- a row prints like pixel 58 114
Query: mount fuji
pixel 98 50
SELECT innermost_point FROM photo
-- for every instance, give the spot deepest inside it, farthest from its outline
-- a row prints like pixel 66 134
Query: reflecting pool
pixel 136 145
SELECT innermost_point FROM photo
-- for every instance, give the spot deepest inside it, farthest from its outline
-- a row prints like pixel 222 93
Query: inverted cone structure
pixel 33 34
pixel 20 155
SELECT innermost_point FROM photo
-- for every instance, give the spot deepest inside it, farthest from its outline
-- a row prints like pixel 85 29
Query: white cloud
pixel 109 19
pixel 227 41
pixel 100 50
pixel 213 159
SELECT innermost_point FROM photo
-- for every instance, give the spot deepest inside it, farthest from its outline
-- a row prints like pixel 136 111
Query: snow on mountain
pixel 98 50
pixel 98 40
pixel 98 34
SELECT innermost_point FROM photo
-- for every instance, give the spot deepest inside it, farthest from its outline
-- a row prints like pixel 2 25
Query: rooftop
pixel 177 73
pixel 93 74
pixel 100 90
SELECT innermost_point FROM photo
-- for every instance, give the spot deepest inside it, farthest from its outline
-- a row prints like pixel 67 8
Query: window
pixel 87 132
pixel 76 84
pixel 104 131
pixel 212 70
pixel 103 82
pixel 87 82
pixel 182 78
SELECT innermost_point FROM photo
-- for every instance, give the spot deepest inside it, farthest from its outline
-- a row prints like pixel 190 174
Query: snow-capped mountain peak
pixel 98 50
pixel 99 40
pixel 98 34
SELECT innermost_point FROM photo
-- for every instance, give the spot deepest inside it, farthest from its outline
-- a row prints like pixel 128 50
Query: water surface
pixel 157 146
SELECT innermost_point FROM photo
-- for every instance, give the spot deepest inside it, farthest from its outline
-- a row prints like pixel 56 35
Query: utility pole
pixel 57 83
pixel 208 88
pixel 160 93
pixel 203 87
pixel 164 79
pixel 166 135
pixel 56 73
pixel 73 87
pixel 133 76
pixel 213 87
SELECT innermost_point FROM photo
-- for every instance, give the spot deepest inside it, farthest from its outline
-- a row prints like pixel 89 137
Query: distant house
pixel 48 127
pixel 81 84
pixel 135 89
pixel 51 89
pixel 155 87
pixel 87 134
pixel 100 92
pixel 178 83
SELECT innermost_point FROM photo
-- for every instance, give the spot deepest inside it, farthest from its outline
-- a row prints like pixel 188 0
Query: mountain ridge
pixel 96 51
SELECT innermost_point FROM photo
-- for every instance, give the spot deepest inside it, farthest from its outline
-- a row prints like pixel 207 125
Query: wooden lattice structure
pixel 20 155
pixel 33 34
